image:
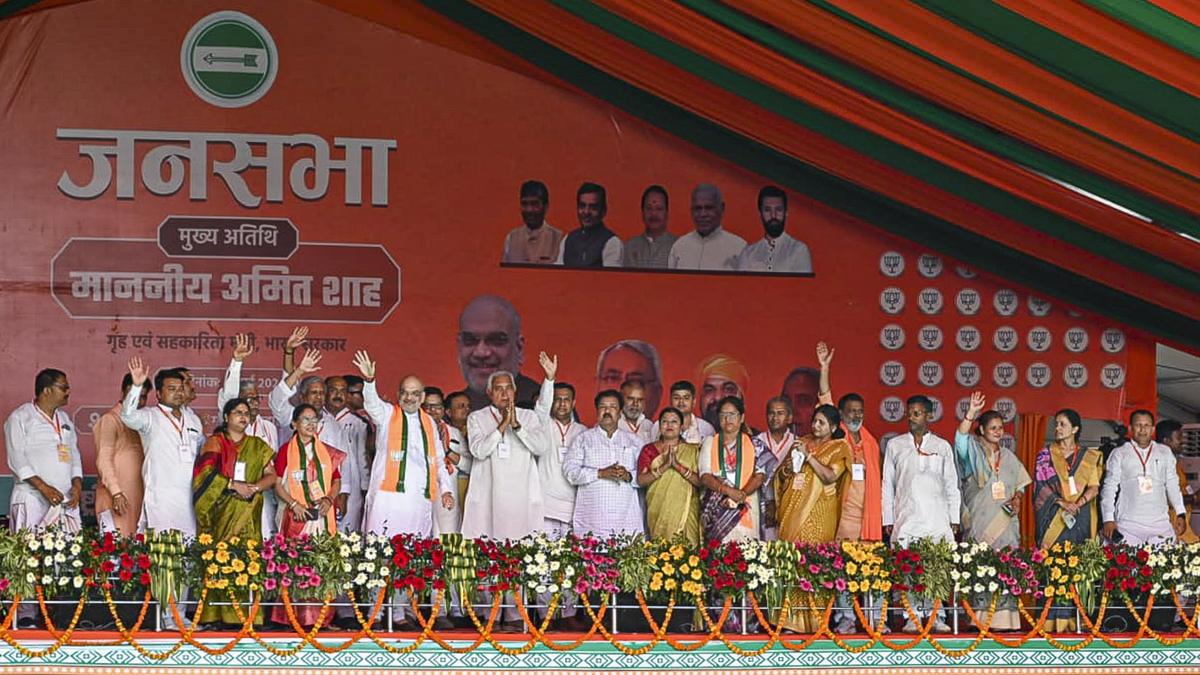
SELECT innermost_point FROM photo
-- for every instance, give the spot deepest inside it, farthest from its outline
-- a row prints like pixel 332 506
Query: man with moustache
pixel 1140 485
pixel 629 359
pixel 234 386
pixel 683 399
pixel 776 251
pixel 556 405
pixel 710 246
pixel 408 479
pixel 356 473
pixel 861 516
pixel 601 463
pixel 633 418
pixel 490 340
pixel 43 456
pixel 119 458
pixel 592 244
pixel 921 499
pixel 770 447
pixel 720 375
pixel 652 248
pixel 505 500
pixel 536 241
pixel 171 438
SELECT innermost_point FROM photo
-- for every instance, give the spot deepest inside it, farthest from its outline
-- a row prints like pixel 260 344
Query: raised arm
pixel 825 359
pixel 297 339
pixel 134 418
pixel 232 385
pixel 545 397
pixel 379 411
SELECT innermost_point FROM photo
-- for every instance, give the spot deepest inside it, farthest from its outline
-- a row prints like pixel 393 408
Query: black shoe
pixel 406 626
pixel 28 623
pixel 347 623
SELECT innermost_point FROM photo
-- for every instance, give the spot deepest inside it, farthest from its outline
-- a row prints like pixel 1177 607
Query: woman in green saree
pixel 669 471
pixel 231 473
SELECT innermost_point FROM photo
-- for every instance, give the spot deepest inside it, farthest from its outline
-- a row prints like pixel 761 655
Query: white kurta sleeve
pixel 377 409
pixel 232 385
pixel 137 419
pixel 673 255
pixel 889 488
pixel 364 469
pixel 575 468
pixel 532 434
pixel 483 436
pixel 545 399
pixel 280 402
pixel 1112 481
pixel 77 460
pixel 950 487
pixel 611 256
pixel 18 448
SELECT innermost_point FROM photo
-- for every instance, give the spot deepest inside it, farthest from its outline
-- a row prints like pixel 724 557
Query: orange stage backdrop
pixel 367 193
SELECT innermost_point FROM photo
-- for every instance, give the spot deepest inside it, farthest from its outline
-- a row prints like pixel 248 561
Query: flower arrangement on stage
pixel 234 564
pixel 498 565
pixel 417 563
pixel 601 562
pixel 306 566
pixel 674 569
pixel 725 566
pixel 924 568
pixel 821 569
pixel 975 568
pixel 1064 566
pixel 548 565
pixel 1182 565
pixel 868 566
pixel 772 567
pixel 1129 571
pixel 366 561
pixel 53 559
pixel 109 557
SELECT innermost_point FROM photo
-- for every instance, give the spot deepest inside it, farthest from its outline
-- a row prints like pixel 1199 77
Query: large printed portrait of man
pixel 718 376
pixel 801 387
pixel 631 360
pixel 489 339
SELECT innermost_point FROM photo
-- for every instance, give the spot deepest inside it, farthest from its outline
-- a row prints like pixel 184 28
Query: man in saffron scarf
pixel 862 499
pixel 406 483
pixel 232 473
pixel 809 482
pixel 310 480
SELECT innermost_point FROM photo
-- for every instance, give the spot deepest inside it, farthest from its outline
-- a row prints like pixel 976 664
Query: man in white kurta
pixel 602 463
pixel 43 456
pixel 556 405
pixel 1140 482
pixel 356 474
pixel 233 386
pixel 782 254
pixel 172 436
pixel 921 498
pixel 633 417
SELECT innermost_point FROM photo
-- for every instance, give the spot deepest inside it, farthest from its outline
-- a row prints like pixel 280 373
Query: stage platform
pixel 109 653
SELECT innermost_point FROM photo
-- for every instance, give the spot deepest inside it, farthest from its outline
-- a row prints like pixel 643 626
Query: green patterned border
pixel 822 655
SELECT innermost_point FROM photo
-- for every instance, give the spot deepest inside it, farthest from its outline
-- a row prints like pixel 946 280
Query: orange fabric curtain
pixel 1031 438
pixel 1141 376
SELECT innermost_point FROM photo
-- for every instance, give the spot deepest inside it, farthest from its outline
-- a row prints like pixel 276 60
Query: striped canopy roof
pixel 1053 143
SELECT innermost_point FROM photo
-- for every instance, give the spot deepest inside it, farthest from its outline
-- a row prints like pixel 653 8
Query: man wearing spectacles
pixel 489 341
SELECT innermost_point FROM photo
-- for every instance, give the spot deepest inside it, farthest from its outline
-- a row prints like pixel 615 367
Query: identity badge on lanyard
pixel 997 486
pixel 64 450
pixel 185 448
pixel 502 450
pixel 1145 482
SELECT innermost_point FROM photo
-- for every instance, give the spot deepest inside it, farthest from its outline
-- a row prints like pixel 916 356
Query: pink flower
pixel 1038 556
pixel 285 582
pixel 282 568
pixel 840 584
pixel 805 585
pixel 269 584
pixel 292 553
pixel 814 568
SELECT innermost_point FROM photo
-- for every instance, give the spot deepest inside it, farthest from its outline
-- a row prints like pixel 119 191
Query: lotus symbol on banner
pixel 1004 374
pixel 967 374
pixel 1113 375
pixel 1038 339
pixel 1075 375
pixel 967 301
pixel 891 264
pixel 929 265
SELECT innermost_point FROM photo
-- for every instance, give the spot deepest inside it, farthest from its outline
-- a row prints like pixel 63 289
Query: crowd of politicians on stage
pixel 332 454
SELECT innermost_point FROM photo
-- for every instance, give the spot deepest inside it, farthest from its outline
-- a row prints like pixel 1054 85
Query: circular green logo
pixel 229 59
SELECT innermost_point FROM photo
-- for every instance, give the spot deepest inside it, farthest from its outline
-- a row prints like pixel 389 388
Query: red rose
pixel 143 562
pixel 1122 559
pixel 919 588
pixel 741 567
pixel 107 567
pixel 1143 555
pixel 125 575
pixel 1146 571
pixel 144 579
pixel 920 570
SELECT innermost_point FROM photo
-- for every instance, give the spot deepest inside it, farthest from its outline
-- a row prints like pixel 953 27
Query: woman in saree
pixel 993 483
pixel 730 476
pixel 309 480
pixel 669 471
pixel 1066 484
pixel 231 473
pixel 809 484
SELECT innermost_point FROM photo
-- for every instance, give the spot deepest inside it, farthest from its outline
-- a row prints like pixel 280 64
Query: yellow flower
pixel 670 585
pixel 668 568
pixel 656 583
pixel 677 551
pixel 222 545
pixel 696 574
pixel 211 569
pixel 226 569
pixel 237 565
pixel 207 555
pixel 205 539
pixel 1066 545
pixel 222 583
pixel 1074 561
pixel 885 586
pixel 242 580
pixel 253 568
pixel 852 586
pixel 684 569
pixel 1055 573
pixel 693 561
pixel 664 556
pixel 222 556
pixel 234 540
pixel 1050 591
pixel 851 568
pixel 251 544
